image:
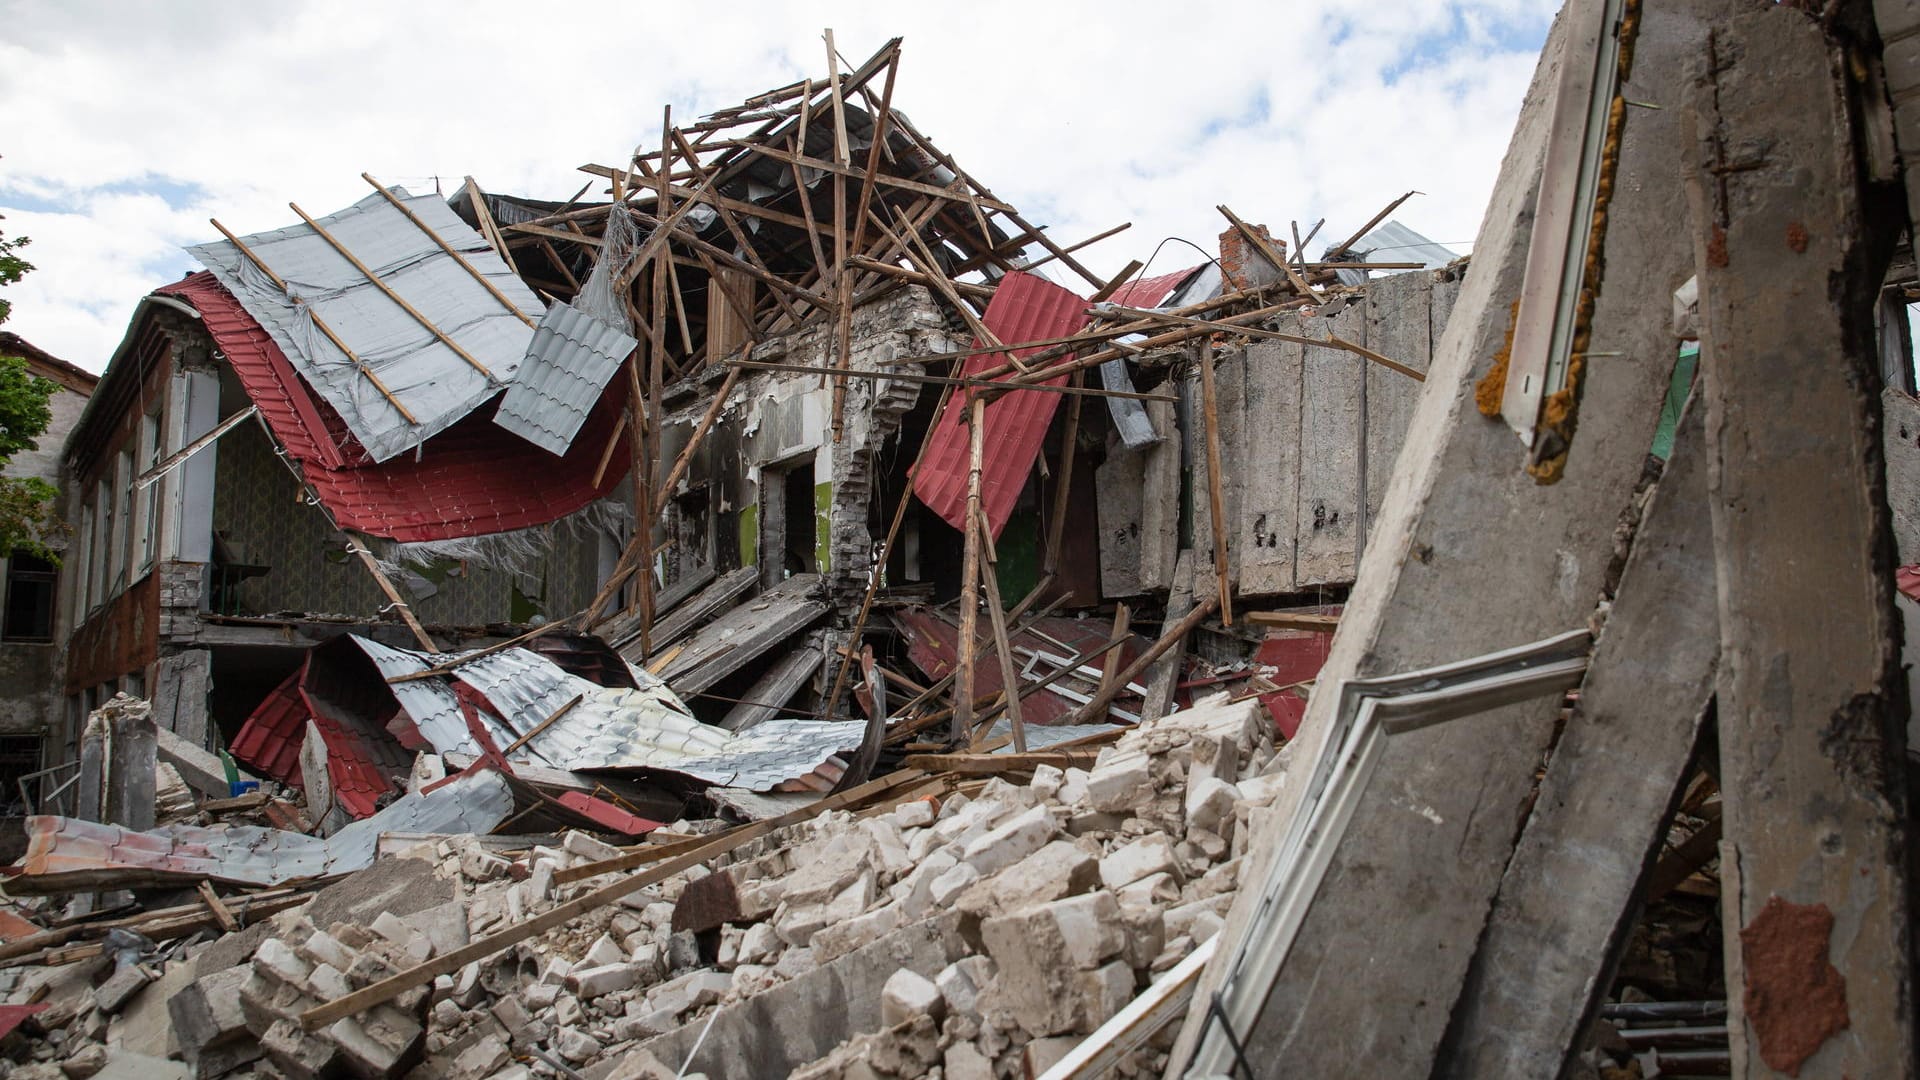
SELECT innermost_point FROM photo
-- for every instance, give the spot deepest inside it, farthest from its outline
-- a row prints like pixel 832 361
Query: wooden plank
pixel 1331 434
pixel 1484 558
pixel 1170 639
pixel 769 694
pixel 1000 764
pixel 319 323
pixel 885 180
pixel 1812 762
pixel 218 908
pixel 997 618
pixel 492 289
pixel 392 986
pixel 737 638
pixel 489 229
pixel 1566 902
pixel 1267 251
pixel 1295 620
pixel 706 605
pixel 389 292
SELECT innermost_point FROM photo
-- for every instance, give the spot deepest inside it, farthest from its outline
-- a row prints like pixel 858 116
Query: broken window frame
pixel 1367 714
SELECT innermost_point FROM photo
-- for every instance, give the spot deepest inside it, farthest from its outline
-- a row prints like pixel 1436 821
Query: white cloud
pixel 129 125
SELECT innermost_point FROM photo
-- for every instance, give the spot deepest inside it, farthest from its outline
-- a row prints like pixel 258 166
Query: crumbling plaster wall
pixel 30 700
pixel 775 419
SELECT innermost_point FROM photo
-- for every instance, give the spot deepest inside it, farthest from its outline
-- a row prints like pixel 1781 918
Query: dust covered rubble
pixel 1063 898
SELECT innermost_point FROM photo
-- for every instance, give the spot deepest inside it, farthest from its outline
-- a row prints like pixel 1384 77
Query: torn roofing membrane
pixel 568 363
pixel 422 372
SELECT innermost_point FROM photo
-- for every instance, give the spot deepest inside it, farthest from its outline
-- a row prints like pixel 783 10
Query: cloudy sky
pixel 129 125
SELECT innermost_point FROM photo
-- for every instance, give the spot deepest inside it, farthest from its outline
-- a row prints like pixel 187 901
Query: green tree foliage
pixel 27 517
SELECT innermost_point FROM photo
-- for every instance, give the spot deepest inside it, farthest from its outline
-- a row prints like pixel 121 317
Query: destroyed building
pixel 31 629
pixel 779 612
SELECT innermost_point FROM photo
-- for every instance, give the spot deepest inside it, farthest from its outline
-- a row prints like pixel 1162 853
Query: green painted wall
pixel 1018 549
pixel 749 535
pixel 822 526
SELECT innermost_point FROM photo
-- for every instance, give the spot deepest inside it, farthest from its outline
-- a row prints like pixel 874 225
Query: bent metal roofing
pixel 376 308
pixel 466 481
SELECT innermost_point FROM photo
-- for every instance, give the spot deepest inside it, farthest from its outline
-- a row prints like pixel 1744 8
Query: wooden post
pixel 1110 669
pixel 1095 710
pixel 1009 671
pixel 358 545
pixel 1811 693
pixel 1069 445
pixel 969 570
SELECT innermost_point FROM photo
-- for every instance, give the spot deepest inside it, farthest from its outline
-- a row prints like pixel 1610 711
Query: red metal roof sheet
pixel 1150 292
pixel 360 758
pixel 469 480
pixel 933 646
pixel 1024 308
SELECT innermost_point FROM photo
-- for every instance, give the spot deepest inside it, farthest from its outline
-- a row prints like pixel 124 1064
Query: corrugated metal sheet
pixel 613 728
pixel 566 367
pixel 64 849
pixel 362 761
pixel 434 383
pixel 466 481
pixel 1150 292
pixel 1024 307
pixel 933 647
pixel 1394 242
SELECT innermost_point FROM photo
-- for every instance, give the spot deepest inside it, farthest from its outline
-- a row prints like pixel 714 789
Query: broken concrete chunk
pixel 1142 858
pixel 588 983
pixel 914 814
pixel 1059 869
pixel 907 995
pixel 960 983
pixel 1011 842
pixel 840 938
pixel 1210 805
pixel 575 1045
pixel 1121 785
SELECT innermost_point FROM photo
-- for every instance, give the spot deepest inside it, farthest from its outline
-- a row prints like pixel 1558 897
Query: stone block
pixel 1120 785
pixel 483 1060
pixel 604 951
pixel 588 983
pixel 1155 890
pixel 206 1013
pixel 120 988
pixel 1059 869
pixel 909 995
pixel 838 939
pixel 575 1045
pixel 296 1054
pixel 1210 805
pixel 1009 843
pixel 960 983
pixel 914 892
pixel 379 1043
pixel 760 944
pixel 1142 858
pixel 587 848
pixel 915 814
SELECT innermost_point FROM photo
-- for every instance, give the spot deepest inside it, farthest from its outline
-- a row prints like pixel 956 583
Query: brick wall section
pixel 1242 263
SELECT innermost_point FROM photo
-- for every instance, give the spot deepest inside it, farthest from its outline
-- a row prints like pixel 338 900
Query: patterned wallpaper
pixel 260 518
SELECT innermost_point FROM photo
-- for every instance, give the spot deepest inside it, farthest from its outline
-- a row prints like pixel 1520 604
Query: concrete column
pixel 130 761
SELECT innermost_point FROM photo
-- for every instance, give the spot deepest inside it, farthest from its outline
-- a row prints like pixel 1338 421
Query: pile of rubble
pixel 976 931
